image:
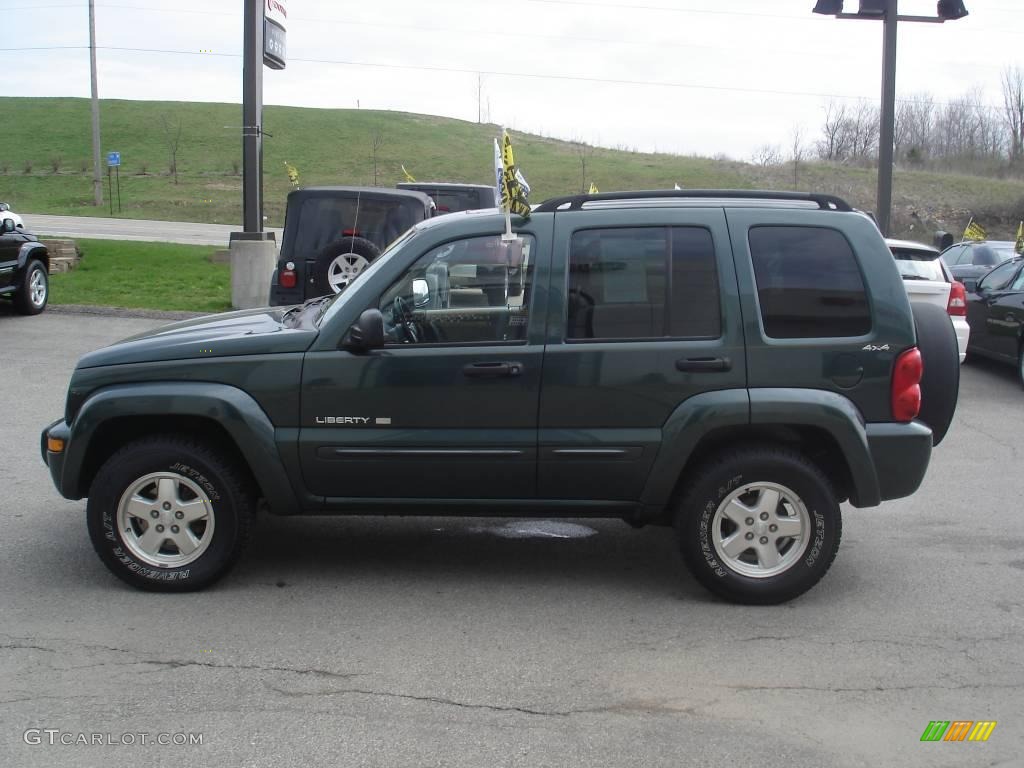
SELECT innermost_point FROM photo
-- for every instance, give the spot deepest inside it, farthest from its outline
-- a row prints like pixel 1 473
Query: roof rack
pixel 576 202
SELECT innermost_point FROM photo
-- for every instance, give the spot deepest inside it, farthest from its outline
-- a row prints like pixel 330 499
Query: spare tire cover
pixel 940 383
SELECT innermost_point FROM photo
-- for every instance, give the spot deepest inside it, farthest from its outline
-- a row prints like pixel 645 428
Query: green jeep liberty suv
pixel 733 364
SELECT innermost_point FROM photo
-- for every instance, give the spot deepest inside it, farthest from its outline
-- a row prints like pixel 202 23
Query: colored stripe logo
pixel 958 730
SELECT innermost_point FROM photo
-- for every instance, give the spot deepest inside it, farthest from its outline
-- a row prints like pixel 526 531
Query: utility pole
pixel 252 118
pixel 887 129
pixel 97 178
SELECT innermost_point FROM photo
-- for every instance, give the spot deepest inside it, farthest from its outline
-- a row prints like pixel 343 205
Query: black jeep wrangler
pixel 24 269
pixel 332 233
pixel 732 364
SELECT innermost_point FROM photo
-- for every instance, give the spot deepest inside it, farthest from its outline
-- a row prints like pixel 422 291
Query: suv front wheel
pixel 759 526
pixel 169 514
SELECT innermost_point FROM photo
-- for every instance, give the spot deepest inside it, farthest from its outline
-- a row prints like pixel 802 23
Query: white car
pixel 7 213
pixel 927 278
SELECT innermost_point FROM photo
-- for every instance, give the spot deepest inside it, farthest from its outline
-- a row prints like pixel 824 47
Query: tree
pixel 584 152
pixel 767 154
pixel 376 143
pixel 1013 102
pixel 172 136
pixel 832 144
pixel 799 152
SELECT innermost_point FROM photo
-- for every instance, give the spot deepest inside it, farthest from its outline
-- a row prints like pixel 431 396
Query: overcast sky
pixel 689 76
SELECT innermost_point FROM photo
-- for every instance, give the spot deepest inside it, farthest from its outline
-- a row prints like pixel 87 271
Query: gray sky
pixel 739 73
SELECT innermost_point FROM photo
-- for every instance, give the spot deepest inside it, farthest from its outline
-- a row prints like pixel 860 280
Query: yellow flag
pixel 593 189
pixel 1019 245
pixel 975 231
pixel 408 176
pixel 293 174
pixel 514 189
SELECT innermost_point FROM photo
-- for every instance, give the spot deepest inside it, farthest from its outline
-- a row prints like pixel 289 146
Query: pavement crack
pixel 876 688
pixel 427 699
pixel 24 647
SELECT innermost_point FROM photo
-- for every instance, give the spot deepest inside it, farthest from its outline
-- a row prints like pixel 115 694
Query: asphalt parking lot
pixel 421 642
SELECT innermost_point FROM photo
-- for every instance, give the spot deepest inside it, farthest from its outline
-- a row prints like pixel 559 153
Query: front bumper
pixel 900 453
pixel 55 461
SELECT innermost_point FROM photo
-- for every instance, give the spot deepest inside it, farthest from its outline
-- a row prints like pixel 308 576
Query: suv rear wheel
pixel 759 526
pixel 169 514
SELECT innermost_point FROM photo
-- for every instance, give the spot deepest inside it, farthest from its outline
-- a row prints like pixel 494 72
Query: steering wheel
pixel 402 314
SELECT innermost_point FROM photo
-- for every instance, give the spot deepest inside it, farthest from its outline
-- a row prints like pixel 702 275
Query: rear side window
pixel 808 283
pixel 642 283
pixel 918 265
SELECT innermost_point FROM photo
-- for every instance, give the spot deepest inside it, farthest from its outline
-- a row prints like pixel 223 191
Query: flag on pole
pixel 515 192
pixel 593 189
pixel 975 231
pixel 408 176
pixel 1019 245
pixel 293 174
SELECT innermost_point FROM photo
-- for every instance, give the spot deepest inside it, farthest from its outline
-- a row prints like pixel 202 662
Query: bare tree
pixel 172 135
pixel 766 155
pixel 831 145
pixel 376 143
pixel 1013 101
pixel 799 152
pixel 584 152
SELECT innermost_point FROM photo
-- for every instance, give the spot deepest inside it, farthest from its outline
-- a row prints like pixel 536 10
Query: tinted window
pixel 642 283
pixel 983 256
pixel 808 283
pixel 472 290
pixel 918 265
pixel 953 255
pixel 325 220
pixel 998 277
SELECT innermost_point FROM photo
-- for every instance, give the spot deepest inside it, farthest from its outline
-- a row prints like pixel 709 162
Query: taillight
pixel 906 385
pixel 286 277
pixel 957 306
pixel 351 233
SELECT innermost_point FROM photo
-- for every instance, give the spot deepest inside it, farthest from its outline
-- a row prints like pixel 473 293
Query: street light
pixel 886 11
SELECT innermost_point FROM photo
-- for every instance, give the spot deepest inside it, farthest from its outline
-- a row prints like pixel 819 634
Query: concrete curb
pixel 148 314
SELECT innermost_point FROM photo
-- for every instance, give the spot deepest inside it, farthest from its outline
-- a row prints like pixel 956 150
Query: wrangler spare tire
pixel 339 263
pixel 940 383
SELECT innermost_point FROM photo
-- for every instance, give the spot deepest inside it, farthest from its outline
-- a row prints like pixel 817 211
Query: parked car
pixel 7 213
pixel 452 198
pixel 971 259
pixel 731 364
pixel 928 279
pixel 995 311
pixel 24 269
pixel 331 234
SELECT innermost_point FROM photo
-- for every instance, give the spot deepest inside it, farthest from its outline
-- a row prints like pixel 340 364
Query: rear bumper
pixel 55 461
pixel 900 453
pixel 963 335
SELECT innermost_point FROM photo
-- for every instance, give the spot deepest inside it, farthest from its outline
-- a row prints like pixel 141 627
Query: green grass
pixel 118 273
pixel 333 146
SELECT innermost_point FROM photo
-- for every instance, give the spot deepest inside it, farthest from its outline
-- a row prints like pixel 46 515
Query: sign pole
pixel 110 191
pixel 117 174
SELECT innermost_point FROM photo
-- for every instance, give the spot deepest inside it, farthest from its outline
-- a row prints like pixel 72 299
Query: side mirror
pixel 974 286
pixel 6 226
pixel 420 292
pixel 366 333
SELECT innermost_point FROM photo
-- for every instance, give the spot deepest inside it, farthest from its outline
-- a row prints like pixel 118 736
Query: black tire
pixel 359 246
pixel 228 493
pixel 940 383
pixel 810 556
pixel 24 303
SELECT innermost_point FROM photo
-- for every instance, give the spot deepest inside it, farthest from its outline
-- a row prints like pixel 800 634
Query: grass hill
pixel 45 164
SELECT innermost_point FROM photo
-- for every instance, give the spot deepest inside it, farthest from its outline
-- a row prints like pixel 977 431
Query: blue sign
pixel 113 158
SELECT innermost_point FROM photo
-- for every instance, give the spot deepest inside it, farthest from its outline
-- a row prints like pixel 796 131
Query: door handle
pixel 492 370
pixel 704 364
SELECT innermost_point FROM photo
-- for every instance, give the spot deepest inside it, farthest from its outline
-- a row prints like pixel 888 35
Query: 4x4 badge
pixel 875 348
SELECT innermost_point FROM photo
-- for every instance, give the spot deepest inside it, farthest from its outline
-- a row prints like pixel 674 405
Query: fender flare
pixel 703 414
pixel 33 251
pixel 233 409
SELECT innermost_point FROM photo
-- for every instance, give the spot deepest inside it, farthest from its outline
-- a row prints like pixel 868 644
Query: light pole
pixel 887 12
pixel 97 179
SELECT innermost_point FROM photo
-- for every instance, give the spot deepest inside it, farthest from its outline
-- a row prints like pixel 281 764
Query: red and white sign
pixel 275 11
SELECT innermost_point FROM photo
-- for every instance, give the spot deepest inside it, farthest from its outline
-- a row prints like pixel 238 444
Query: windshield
pixel 328 309
pixel 918 265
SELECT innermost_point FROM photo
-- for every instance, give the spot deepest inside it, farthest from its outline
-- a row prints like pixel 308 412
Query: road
pixel 188 233
pixel 423 642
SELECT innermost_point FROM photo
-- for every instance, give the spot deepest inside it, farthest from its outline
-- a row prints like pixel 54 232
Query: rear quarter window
pixel 809 284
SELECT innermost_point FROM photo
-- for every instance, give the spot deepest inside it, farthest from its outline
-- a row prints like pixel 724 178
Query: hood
pixel 247 332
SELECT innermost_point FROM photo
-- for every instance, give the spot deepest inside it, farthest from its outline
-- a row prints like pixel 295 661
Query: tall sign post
pixel 253 251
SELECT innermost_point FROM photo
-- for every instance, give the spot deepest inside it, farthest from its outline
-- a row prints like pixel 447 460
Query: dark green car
pixel 731 364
